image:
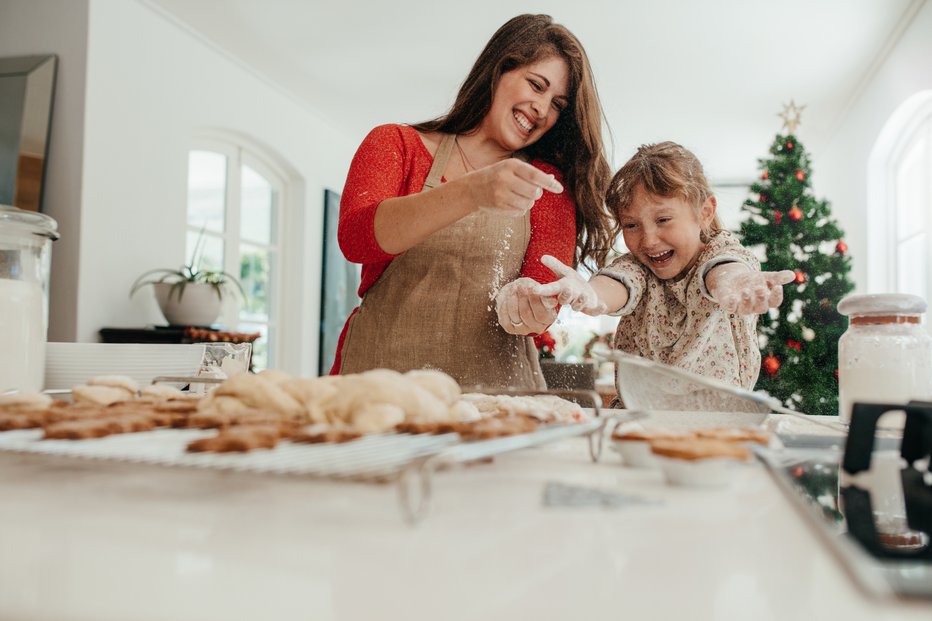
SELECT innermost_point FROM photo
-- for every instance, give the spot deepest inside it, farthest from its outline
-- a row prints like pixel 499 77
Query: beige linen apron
pixel 434 307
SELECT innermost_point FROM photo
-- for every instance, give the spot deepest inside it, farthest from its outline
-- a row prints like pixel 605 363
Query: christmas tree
pixel 794 230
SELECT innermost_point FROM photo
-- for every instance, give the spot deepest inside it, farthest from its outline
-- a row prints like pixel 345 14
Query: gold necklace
pixel 467 165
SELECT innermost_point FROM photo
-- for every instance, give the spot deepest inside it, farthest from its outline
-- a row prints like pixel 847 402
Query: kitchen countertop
pixel 84 539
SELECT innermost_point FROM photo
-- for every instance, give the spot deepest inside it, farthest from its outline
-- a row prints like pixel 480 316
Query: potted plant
pixel 189 296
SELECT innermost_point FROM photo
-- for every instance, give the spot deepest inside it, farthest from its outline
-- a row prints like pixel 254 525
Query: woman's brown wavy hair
pixel 573 145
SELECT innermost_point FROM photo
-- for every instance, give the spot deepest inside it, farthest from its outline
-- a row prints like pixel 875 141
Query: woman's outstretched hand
pixel 743 291
pixel 510 187
pixel 571 288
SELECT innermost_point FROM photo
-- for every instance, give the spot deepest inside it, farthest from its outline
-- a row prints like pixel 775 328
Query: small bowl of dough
pixel 634 445
pixel 699 462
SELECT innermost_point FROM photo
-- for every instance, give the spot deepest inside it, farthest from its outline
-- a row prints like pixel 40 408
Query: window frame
pixel 239 153
pixel 892 144
pixel 919 130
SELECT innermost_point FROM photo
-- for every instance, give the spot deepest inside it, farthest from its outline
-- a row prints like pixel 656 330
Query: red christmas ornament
pixel 762 198
pixel 789 145
pixel 545 344
pixel 771 365
pixel 836 373
pixel 841 248
pixel 765 176
pixel 794 345
pixel 800 175
pixel 777 216
pixel 800 277
pixel 795 213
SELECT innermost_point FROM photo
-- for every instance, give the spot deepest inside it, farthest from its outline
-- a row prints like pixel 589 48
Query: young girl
pixel 688 293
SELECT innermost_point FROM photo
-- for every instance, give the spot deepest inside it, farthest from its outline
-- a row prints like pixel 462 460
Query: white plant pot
pixel 199 304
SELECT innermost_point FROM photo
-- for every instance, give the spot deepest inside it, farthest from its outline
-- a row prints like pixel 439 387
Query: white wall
pixel 151 85
pixel 133 87
pixel 840 171
pixel 57 27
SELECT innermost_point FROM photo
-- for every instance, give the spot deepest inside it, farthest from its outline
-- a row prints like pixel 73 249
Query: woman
pixel 443 213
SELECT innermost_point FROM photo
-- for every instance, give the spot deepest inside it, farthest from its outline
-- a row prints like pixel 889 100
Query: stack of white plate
pixel 70 364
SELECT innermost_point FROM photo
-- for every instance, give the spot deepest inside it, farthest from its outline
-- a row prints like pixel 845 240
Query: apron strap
pixel 440 162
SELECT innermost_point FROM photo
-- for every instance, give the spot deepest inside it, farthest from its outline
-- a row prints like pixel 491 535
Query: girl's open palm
pixel 571 289
pixel 750 292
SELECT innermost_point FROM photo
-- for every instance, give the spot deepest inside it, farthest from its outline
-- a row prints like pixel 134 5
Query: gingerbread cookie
pixel 10 421
pixel 439 427
pixel 61 412
pixel 650 435
pixel 320 434
pixel 699 449
pixel 238 440
pixel 98 427
pixel 497 427
pixel 729 434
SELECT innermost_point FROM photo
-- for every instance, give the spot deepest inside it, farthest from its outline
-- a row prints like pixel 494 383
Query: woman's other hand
pixel 521 310
pixel 510 187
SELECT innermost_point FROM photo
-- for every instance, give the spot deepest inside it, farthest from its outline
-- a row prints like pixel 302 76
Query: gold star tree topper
pixel 791 116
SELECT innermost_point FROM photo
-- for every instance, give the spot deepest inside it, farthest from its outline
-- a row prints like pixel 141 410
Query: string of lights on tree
pixel 791 229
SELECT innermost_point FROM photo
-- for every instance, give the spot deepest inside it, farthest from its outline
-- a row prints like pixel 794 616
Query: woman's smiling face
pixel 664 233
pixel 527 103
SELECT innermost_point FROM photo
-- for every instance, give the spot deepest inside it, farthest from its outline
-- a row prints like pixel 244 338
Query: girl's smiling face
pixel 527 103
pixel 664 233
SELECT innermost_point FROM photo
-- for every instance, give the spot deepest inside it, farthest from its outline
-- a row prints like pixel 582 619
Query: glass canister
pixel 25 256
pixel 885 356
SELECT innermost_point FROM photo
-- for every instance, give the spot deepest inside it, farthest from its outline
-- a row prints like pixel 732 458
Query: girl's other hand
pixel 510 187
pixel 747 292
pixel 571 289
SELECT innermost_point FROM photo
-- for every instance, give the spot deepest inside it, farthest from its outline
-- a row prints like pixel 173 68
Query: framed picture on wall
pixel 339 284
pixel 27 91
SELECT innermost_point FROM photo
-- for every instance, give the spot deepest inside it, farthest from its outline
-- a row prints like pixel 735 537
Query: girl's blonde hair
pixel 573 145
pixel 665 169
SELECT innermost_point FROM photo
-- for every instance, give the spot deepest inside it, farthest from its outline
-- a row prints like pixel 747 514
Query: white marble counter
pixel 101 541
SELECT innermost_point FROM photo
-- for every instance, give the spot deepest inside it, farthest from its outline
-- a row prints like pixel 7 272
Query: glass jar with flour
pixel 885 356
pixel 25 255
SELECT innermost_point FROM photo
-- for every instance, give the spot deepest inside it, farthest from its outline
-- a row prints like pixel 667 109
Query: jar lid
pixel 37 223
pixel 882 304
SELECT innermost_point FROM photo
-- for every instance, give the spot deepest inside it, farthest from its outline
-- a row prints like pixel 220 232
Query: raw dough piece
pixel 116 381
pixel 99 395
pixel 25 401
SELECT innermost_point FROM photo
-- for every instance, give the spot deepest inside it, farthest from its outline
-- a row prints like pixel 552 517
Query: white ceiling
pixel 710 74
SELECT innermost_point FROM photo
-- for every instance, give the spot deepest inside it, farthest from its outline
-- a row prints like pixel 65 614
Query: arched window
pixel 912 187
pixel 234 209
pixel 900 201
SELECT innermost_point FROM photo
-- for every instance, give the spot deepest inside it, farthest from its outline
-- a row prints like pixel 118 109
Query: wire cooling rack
pixel 407 459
